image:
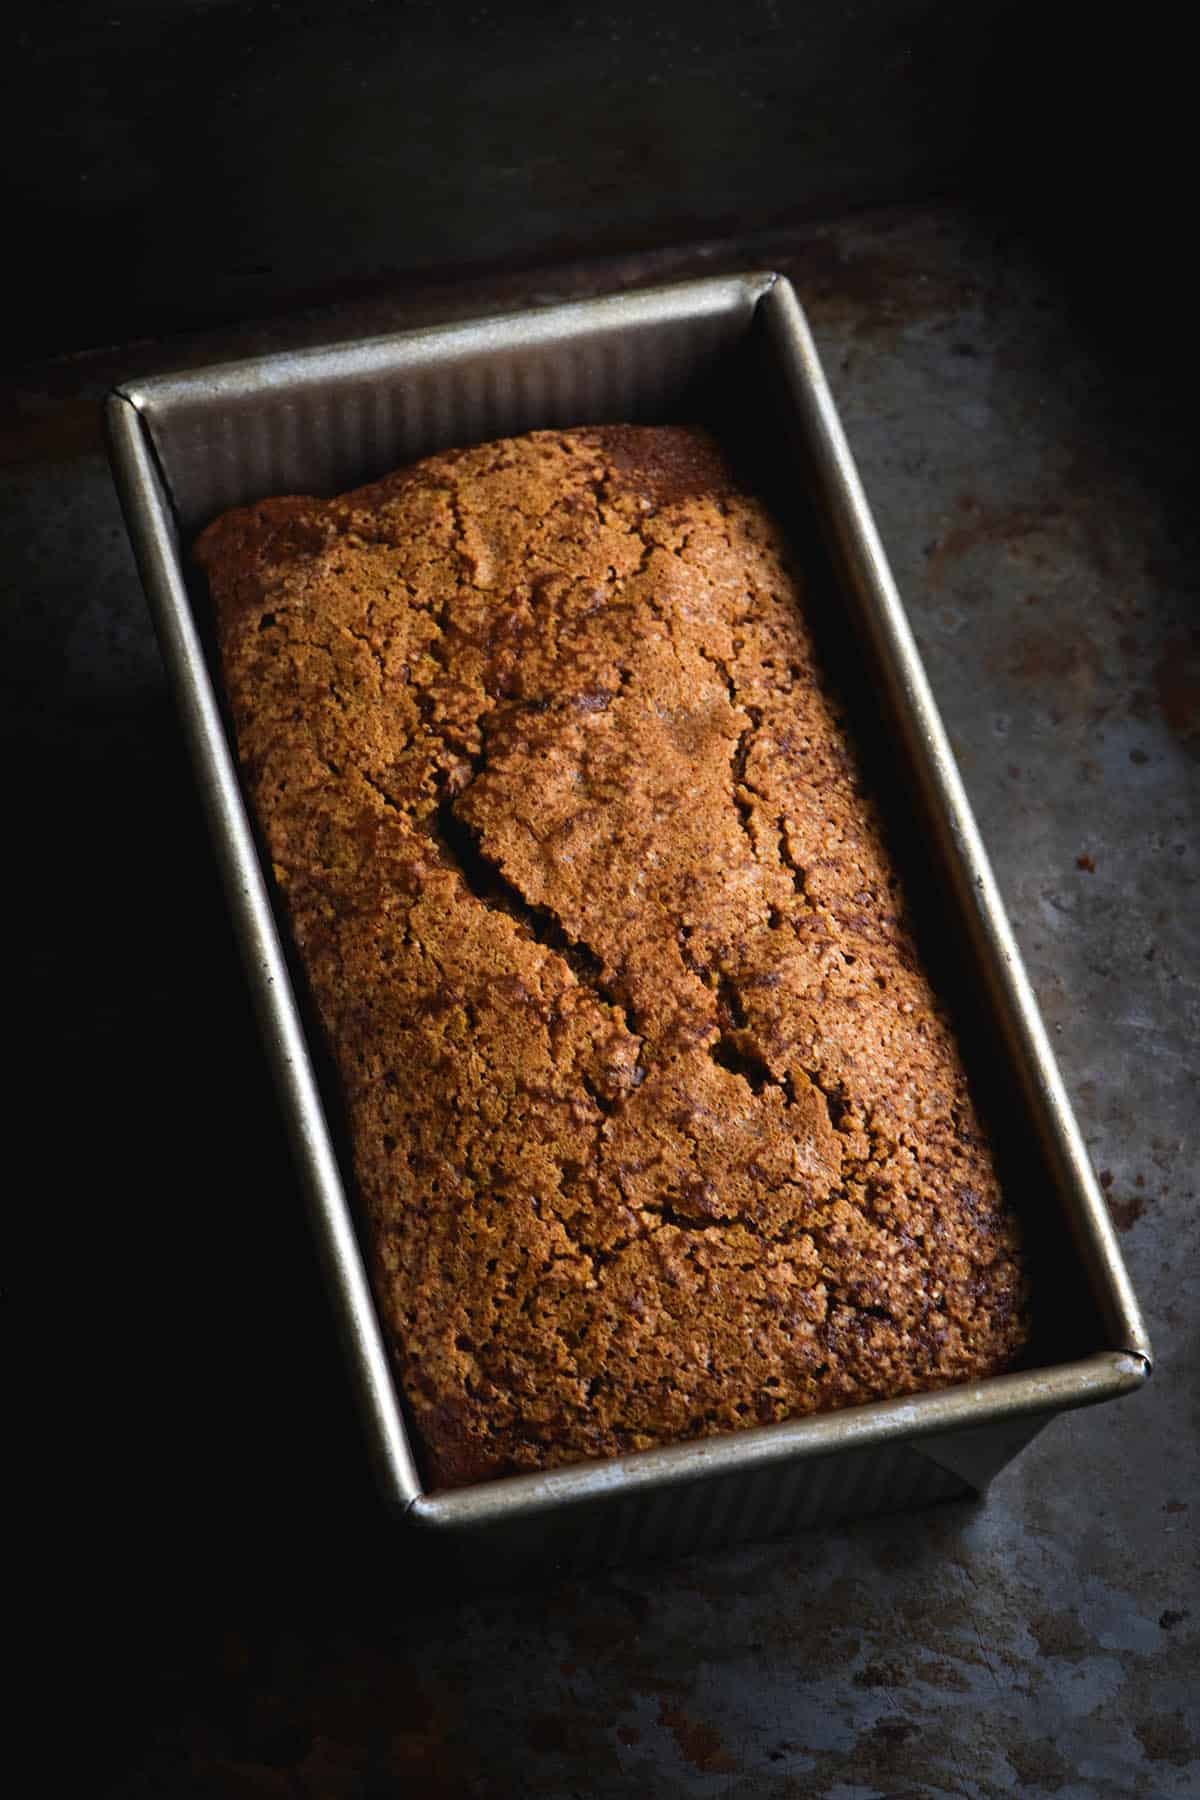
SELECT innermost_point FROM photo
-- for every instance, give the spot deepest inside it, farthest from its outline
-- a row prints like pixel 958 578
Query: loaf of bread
pixel 658 1128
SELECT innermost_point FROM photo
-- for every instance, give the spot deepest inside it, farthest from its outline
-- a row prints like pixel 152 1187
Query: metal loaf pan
pixel 184 447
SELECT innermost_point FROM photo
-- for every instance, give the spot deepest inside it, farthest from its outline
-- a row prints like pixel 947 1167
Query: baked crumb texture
pixel 657 1124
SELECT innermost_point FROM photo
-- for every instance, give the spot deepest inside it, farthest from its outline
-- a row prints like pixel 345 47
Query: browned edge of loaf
pixel 657 1124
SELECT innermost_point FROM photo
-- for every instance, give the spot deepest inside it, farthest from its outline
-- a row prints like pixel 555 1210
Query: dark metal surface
pixel 1028 460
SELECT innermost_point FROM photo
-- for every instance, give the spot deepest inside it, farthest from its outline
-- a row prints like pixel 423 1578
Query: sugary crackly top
pixel 657 1125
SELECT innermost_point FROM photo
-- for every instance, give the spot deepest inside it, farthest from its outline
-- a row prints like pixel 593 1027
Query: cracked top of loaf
pixel 658 1127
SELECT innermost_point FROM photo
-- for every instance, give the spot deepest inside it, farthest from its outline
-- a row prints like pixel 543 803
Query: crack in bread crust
pixel 658 1126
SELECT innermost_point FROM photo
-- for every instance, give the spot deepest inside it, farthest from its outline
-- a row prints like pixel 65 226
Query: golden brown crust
pixel 658 1126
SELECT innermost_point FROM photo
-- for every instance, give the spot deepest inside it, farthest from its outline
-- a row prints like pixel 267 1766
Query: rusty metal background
pixel 1029 448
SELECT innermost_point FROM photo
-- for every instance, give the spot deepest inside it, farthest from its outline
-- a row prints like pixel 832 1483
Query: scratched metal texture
pixel 254 1631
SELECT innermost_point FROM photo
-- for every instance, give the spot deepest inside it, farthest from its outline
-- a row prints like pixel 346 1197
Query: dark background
pixel 180 163
pixel 986 211
pixel 213 158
